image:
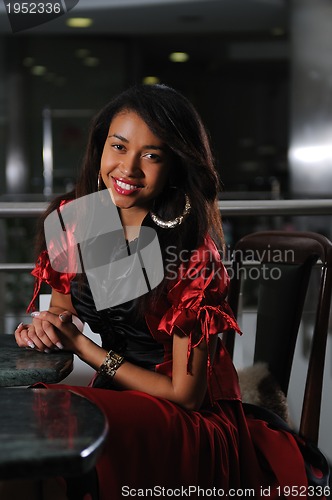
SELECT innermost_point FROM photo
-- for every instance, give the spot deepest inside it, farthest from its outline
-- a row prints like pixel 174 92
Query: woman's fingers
pixel 40 335
pixel 25 336
pixel 58 321
pixel 44 334
pixel 22 337
pixel 63 323
pixel 49 334
pixel 37 335
pixel 66 317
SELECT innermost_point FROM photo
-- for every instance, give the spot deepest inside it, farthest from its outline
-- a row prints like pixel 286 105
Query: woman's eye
pixel 118 147
pixel 152 156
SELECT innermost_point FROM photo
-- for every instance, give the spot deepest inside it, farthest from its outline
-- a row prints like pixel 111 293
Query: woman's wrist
pixel 89 352
pixel 111 363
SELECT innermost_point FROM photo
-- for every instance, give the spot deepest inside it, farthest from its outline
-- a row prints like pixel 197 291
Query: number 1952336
pixel 34 8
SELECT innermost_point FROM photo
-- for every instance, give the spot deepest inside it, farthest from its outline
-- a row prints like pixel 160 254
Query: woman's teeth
pixel 127 187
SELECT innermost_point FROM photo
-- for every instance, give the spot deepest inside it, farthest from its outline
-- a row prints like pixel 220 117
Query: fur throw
pixel 260 388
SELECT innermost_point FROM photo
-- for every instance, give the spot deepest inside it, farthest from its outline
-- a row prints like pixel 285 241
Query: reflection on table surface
pixel 26 366
pixel 47 432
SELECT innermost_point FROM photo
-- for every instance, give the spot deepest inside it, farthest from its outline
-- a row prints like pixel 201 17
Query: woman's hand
pixel 43 333
pixel 39 335
pixel 48 331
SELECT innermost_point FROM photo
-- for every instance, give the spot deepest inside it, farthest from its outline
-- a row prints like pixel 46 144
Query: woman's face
pixel 135 163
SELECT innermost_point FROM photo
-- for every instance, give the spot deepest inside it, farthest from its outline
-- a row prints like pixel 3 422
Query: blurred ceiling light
pixel 91 61
pixel 38 70
pixel 179 57
pixel 79 22
pixel 150 80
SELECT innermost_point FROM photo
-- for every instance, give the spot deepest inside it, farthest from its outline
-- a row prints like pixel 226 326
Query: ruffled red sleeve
pixel 197 298
pixel 43 271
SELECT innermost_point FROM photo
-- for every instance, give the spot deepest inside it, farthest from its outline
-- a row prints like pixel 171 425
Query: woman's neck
pixel 132 221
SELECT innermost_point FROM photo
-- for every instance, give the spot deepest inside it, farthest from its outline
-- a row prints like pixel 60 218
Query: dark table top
pixel 26 366
pixel 46 432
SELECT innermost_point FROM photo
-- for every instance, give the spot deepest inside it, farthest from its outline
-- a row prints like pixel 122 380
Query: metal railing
pixel 227 208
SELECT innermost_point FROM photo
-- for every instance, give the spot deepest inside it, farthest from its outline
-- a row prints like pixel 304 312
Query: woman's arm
pixel 60 303
pixel 185 389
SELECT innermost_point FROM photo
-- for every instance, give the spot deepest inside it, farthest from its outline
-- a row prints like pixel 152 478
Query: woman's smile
pixel 125 187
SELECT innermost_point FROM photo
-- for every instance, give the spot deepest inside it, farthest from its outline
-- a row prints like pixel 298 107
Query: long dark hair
pixel 172 118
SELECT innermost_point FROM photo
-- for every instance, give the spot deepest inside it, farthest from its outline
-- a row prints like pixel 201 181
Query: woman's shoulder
pixel 206 254
pixel 199 269
pixel 208 249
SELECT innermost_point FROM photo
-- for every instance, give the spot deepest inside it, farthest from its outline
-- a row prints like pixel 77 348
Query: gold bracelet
pixel 111 364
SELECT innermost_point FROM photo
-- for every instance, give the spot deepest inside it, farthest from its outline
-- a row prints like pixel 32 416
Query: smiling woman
pixel 135 165
pixel 163 376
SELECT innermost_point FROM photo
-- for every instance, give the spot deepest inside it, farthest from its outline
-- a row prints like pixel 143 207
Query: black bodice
pixel 120 327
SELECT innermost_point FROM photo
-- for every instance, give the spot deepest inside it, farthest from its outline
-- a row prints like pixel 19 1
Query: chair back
pixel 284 262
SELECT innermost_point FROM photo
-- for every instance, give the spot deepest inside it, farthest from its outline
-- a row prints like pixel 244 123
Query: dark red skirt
pixel 154 446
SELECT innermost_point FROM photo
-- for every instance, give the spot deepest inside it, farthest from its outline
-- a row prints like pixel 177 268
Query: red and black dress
pixel 155 445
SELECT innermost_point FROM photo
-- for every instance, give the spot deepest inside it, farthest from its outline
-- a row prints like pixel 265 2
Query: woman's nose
pixel 130 167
